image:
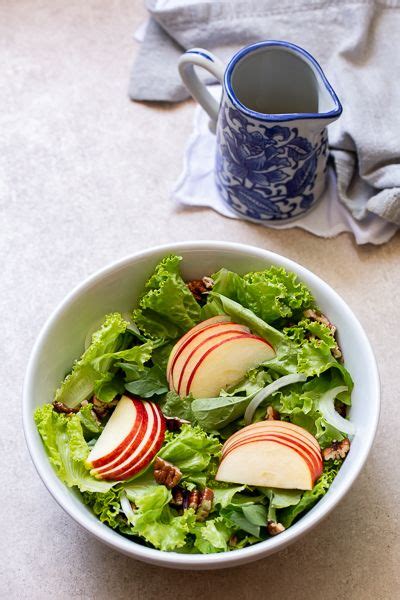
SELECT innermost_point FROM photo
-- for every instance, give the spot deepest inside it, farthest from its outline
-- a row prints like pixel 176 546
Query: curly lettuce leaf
pixel 191 449
pixel 79 384
pixel 106 506
pixel 167 309
pixel 67 449
pixel 212 535
pixel 154 520
pixel 272 294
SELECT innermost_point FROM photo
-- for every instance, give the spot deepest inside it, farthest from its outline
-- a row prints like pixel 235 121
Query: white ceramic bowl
pixel 116 288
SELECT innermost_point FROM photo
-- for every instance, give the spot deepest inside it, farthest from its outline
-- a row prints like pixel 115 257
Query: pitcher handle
pixel 202 58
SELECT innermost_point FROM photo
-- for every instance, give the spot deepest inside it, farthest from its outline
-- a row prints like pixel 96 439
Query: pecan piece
pixel 178 497
pixel 200 287
pixel 205 506
pixel 274 528
pixel 193 500
pixel 166 474
pixel 174 423
pixel 337 450
pixel 60 407
pixel 272 414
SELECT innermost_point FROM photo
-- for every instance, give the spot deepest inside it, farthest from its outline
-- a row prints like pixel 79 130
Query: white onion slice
pixel 268 390
pixel 127 508
pixel 326 406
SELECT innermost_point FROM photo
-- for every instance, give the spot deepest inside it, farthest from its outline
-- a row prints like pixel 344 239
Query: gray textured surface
pixel 78 190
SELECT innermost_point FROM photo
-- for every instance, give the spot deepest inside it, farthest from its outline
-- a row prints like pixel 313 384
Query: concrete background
pixel 85 177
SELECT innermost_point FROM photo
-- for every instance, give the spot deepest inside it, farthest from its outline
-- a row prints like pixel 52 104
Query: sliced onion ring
pixel 326 406
pixel 268 390
pixel 127 508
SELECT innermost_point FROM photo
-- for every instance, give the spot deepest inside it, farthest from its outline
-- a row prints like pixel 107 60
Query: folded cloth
pixel 357 43
pixel 196 187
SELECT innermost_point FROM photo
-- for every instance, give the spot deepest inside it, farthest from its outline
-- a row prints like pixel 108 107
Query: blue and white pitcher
pixel 272 146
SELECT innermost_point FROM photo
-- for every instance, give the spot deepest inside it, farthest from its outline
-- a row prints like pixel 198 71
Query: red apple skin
pixel 276 430
pixel 243 335
pixel 224 336
pixel 314 466
pixel 272 425
pixel 127 451
pixel 226 328
pixel 145 456
pixel 104 460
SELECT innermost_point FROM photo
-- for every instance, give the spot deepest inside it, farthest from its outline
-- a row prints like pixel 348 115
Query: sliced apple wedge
pixel 141 453
pixel 308 453
pixel 195 337
pixel 121 429
pixel 224 364
pixel 147 425
pixel 267 464
pixel 193 354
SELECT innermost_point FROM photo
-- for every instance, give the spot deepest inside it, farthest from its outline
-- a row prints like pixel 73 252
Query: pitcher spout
pixel 279 81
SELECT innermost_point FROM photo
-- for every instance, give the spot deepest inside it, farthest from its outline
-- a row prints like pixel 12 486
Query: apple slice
pixel 120 430
pixel 151 452
pixel 267 464
pixel 146 424
pixel 283 426
pixel 190 356
pixel 213 320
pixel 179 354
pixel 224 364
pixel 309 454
pixel 143 452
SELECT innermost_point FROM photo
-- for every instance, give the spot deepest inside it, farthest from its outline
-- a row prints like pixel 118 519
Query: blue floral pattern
pixel 266 172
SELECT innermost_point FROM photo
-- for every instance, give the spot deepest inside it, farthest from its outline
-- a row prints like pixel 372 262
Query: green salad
pixel 210 418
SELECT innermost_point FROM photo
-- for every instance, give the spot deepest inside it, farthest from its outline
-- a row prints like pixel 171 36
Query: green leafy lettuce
pixel 272 294
pixel 67 449
pixel 167 308
pixel 87 372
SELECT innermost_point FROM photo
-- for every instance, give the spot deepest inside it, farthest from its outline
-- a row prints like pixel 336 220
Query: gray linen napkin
pixel 357 43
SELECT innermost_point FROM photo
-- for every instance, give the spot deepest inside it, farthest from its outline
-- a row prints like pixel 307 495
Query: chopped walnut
pixel 320 318
pixel 174 423
pixel 337 450
pixel 272 414
pixel 166 474
pixel 205 506
pixel 274 528
pixel 60 407
pixel 200 287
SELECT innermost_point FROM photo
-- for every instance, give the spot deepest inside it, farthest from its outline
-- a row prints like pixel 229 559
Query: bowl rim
pixel 172 559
